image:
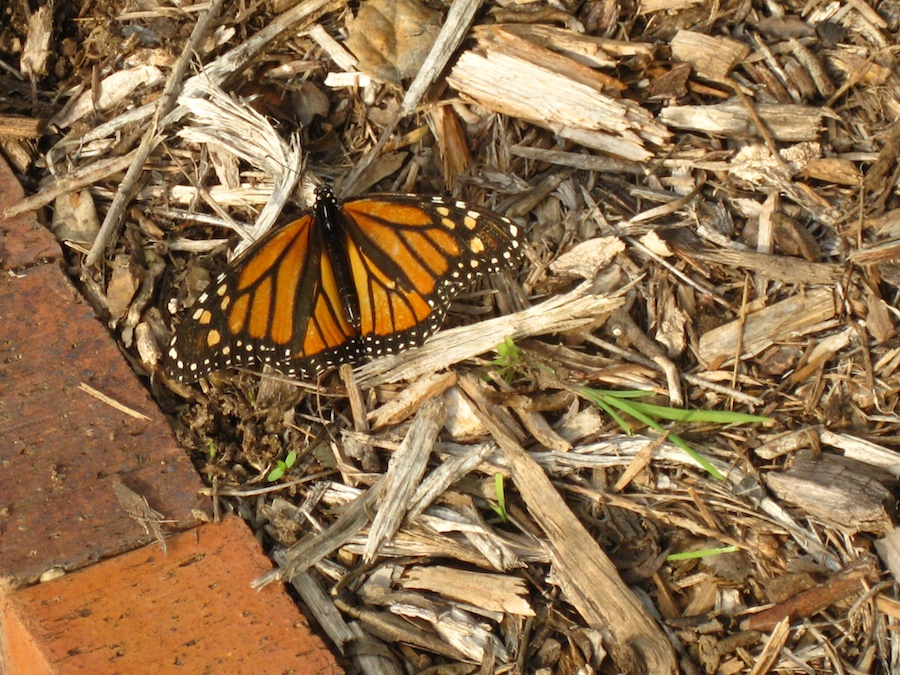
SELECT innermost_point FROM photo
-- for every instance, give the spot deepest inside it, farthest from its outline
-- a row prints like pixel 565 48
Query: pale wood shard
pixel 711 57
pixel 510 75
pixel 560 313
pixel 579 160
pixel 114 90
pixel 590 256
pixel 36 51
pixel 408 401
pixel 760 329
pixel 773 647
pixel 82 177
pixel 445 475
pixel 492 592
pixel 403 475
pixel 862 450
pixel 650 6
pixel 790 123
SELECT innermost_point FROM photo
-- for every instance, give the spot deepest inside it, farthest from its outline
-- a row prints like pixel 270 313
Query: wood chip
pixel 761 329
pixel 493 592
pixel 581 111
pixel 711 57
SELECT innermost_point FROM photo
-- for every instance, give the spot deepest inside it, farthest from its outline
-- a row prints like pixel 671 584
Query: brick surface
pixel 23 241
pixel 191 611
pixel 61 449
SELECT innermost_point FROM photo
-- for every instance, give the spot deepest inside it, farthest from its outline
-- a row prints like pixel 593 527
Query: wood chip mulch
pixel 709 196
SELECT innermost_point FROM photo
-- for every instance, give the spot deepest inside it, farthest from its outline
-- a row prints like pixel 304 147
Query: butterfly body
pixel 371 276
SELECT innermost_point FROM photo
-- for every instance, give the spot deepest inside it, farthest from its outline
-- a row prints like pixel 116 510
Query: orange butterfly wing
pixel 276 303
pixel 410 255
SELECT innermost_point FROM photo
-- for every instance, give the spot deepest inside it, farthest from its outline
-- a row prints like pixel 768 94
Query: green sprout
pixel 500 507
pixel 282 466
pixel 614 402
pixel 702 553
pixel 508 358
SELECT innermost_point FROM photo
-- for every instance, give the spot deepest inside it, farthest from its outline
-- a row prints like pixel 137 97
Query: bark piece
pixel 834 491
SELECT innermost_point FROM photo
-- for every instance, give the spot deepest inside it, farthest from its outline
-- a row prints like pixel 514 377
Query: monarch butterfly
pixel 371 276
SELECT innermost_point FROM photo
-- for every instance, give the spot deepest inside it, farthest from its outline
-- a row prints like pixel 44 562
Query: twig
pixel 151 138
pixel 112 402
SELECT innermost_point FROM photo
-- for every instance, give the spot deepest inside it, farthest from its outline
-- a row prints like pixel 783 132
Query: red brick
pixel 23 240
pixel 61 449
pixel 191 611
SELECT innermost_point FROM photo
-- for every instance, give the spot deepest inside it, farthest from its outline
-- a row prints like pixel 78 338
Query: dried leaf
pixel 391 38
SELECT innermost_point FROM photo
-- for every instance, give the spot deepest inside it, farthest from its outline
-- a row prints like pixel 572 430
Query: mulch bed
pixel 708 200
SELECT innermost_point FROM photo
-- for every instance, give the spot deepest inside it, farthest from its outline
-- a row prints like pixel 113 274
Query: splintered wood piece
pixel 492 592
pixel 504 71
pixel 561 313
pixel 773 647
pixel 711 57
pixel 113 90
pixel 789 123
pixel 589 50
pixel 16 126
pixel 79 178
pixel 393 630
pixel 312 548
pixel 451 139
pixel 588 578
pixel 462 514
pixel 404 473
pixel 407 402
pixel 861 450
pixel 761 329
pixel 834 491
pixel 588 257
pixel 455 626
pixel 445 475
pixel 650 6
pixel 776 267
pixel 36 52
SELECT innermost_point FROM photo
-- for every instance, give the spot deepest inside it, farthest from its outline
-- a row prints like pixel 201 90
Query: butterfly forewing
pixel 284 301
